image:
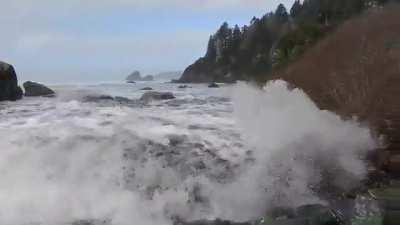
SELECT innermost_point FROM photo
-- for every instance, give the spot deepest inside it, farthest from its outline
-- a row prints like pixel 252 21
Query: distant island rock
pixel 148 78
pixel 33 89
pixel 136 76
pixel 9 89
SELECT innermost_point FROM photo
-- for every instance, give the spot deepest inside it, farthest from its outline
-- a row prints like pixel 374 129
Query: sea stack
pixel 9 89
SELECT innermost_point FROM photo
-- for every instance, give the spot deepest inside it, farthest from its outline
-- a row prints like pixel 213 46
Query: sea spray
pixel 197 157
pixel 301 152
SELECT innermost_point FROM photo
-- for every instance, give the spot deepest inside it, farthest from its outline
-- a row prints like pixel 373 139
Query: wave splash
pixel 68 160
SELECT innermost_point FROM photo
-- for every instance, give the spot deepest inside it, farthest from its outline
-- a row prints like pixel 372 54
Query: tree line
pixel 275 39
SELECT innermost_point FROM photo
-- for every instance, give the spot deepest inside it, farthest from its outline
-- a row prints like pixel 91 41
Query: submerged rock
pixel 33 89
pixel 210 222
pixel 98 98
pixel 153 95
pixel 146 89
pixel 9 89
pixel 213 85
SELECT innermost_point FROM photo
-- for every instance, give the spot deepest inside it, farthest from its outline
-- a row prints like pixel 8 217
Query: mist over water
pixel 231 153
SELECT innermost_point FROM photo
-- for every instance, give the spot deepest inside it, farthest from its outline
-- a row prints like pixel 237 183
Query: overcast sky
pixel 104 40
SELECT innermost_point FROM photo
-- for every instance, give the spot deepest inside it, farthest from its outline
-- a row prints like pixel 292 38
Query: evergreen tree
pixel 295 11
pixel 211 49
pixel 281 14
pixel 236 38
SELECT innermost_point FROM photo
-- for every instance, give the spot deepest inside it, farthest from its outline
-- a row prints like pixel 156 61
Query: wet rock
pixel 175 140
pixel 213 85
pixel 131 82
pixel 199 165
pixel 9 89
pixel 122 99
pixel 146 89
pixel 282 213
pixel 313 214
pixel 98 98
pixel 210 222
pixel 183 86
pixel 33 89
pixel 153 95
pixel 317 214
pixel 92 222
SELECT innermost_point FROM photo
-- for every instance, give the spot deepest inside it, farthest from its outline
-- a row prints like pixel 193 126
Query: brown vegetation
pixel 355 71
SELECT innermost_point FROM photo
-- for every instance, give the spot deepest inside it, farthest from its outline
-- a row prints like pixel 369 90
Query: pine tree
pixel 236 37
pixel 281 14
pixel 211 49
pixel 295 11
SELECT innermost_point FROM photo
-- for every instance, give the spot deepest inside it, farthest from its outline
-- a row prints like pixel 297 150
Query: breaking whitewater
pixel 232 153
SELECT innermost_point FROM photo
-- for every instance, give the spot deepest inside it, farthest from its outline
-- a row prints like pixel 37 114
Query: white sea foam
pixel 64 160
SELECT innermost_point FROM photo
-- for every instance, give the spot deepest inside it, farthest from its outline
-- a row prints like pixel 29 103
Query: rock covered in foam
pixel 213 85
pixel 33 89
pixel 9 89
pixel 154 95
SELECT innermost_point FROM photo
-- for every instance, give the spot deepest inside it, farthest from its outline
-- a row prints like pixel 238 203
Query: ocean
pixel 231 152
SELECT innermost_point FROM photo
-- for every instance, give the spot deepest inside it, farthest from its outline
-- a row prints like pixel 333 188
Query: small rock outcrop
pixel 33 89
pixel 98 98
pixel 153 95
pixel 146 89
pixel 213 85
pixel 9 89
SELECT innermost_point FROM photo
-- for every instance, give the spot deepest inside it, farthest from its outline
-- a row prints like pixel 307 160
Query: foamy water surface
pixel 227 153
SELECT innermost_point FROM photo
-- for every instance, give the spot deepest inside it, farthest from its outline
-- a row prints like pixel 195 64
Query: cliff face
pixel 356 72
pixel 9 89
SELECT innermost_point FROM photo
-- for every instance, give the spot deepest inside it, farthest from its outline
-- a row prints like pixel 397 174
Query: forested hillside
pixel 272 41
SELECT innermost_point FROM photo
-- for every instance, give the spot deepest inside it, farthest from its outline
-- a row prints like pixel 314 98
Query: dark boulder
pixel 317 214
pixel 98 98
pixel 183 86
pixel 210 222
pixel 9 89
pixel 213 85
pixel 33 89
pixel 153 95
pixel 146 89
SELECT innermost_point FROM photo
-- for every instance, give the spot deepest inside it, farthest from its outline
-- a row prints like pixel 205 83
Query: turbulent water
pixel 230 153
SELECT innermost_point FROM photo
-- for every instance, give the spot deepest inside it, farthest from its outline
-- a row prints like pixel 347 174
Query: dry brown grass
pixel 348 71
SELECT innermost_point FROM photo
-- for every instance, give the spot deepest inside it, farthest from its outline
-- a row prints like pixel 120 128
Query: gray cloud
pixel 33 39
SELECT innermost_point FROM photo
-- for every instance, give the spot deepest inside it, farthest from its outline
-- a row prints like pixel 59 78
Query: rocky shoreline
pixel 10 91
